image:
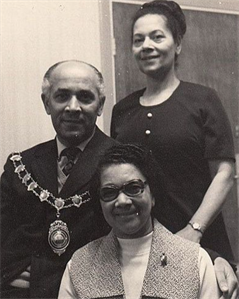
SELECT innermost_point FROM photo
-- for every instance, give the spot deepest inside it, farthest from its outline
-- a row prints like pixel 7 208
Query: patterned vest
pixel 95 269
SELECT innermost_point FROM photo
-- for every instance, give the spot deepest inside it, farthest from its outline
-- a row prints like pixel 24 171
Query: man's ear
pixel 45 103
pixel 101 106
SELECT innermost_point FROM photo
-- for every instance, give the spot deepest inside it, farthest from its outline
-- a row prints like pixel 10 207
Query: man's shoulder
pixel 103 140
pixel 40 147
pixel 30 154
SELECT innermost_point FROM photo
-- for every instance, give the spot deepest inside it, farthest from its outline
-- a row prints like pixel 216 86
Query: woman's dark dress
pixel 184 132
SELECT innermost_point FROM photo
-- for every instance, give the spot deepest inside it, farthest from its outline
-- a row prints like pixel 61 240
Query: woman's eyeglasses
pixel 131 188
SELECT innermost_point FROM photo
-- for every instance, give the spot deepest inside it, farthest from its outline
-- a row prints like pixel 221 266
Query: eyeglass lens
pixel 132 188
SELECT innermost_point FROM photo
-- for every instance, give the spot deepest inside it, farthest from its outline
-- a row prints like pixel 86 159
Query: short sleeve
pixel 217 129
pixel 208 283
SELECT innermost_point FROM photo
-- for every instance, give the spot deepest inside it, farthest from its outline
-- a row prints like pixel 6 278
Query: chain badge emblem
pixel 58 236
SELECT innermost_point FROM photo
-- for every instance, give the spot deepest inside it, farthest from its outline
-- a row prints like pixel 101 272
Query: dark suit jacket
pixel 25 220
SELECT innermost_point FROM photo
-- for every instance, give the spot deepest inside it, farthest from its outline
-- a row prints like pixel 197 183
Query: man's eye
pixel 62 96
pixel 85 97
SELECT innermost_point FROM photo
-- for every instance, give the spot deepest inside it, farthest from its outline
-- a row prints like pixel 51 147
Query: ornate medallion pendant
pixel 58 236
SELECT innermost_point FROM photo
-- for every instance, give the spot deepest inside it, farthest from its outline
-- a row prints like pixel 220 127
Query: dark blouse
pixel 183 133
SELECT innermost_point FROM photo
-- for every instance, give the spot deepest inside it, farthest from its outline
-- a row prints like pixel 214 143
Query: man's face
pixel 73 102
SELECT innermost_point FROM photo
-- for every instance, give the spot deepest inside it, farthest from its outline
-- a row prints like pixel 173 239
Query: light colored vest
pixel 95 269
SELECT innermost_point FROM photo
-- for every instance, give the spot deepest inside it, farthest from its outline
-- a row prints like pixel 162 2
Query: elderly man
pixel 46 209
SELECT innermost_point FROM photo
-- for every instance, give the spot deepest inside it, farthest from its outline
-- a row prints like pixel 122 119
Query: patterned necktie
pixel 71 153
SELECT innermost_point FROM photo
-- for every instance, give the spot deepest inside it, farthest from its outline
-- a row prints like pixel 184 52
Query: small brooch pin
pixel 163 259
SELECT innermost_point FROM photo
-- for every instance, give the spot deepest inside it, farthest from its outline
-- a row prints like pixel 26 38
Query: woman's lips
pixel 149 57
pixel 126 214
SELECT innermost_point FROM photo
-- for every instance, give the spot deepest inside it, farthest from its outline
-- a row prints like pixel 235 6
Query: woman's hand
pixel 190 234
pixel 226 279
pixel 23 280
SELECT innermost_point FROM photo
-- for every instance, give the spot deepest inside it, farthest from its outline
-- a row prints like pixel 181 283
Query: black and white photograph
pixel 119 136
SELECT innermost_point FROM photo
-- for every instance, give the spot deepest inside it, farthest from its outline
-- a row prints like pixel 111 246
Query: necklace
pixel 58 235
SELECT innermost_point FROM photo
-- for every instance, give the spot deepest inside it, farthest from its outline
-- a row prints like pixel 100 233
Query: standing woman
pixel 185 126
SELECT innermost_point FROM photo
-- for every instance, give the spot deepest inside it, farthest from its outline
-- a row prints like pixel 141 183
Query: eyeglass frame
pixel 122 189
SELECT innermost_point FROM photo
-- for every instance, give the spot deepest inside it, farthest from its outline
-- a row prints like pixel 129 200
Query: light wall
pixel 35 35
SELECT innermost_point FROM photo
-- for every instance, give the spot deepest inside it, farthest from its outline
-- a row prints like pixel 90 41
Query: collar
pixel 137 246
pixel 81 146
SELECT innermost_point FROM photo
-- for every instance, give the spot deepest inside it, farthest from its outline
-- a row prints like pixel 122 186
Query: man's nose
pixel 74 104
pixel 122 200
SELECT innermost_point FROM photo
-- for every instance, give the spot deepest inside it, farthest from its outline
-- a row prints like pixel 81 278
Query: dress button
pixel 149 115
pixel 147 132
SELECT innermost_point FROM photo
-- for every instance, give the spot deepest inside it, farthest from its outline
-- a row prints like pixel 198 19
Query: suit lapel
pixel 44 167
pixel 85 167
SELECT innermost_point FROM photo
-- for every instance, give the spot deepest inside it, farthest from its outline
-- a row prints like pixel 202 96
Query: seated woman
pixel 139 258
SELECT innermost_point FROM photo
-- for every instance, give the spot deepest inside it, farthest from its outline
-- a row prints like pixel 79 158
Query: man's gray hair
pixel 46 84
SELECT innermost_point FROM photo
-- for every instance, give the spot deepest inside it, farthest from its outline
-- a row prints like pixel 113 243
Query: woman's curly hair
pixel 142 159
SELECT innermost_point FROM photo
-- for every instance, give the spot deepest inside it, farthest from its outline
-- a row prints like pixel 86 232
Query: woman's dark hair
pixel 171 10
pixel 142 159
